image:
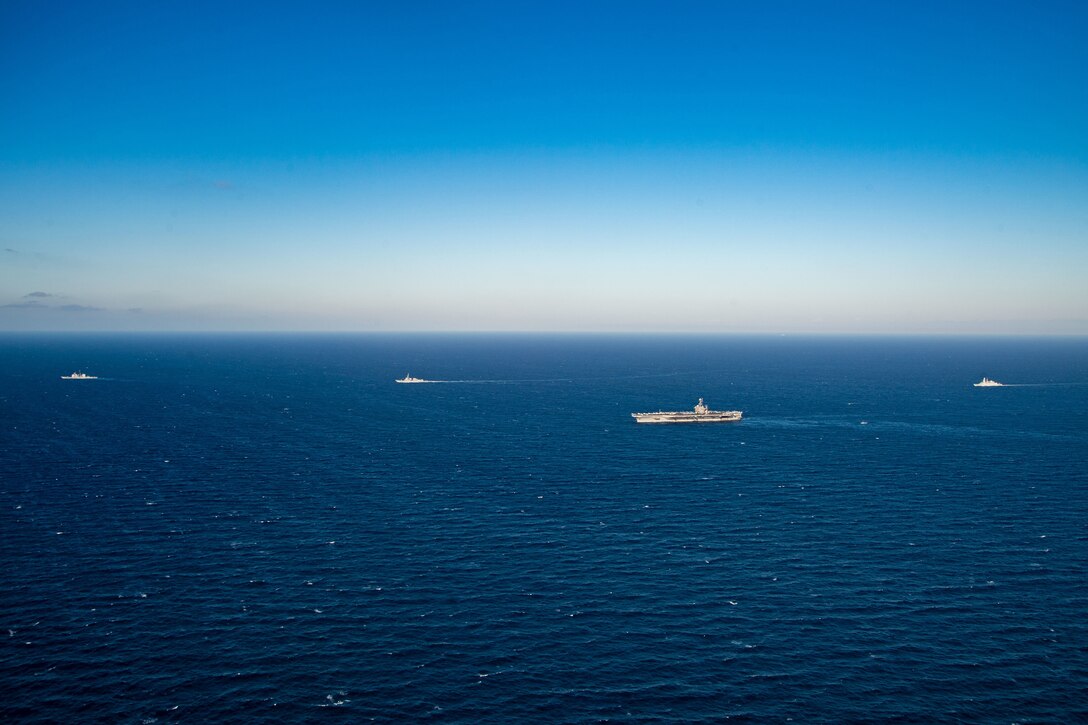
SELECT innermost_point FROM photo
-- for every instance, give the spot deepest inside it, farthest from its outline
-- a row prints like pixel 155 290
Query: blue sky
pixel 717 167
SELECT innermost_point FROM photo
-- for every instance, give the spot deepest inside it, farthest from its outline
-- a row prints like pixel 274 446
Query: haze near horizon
pixel 690 167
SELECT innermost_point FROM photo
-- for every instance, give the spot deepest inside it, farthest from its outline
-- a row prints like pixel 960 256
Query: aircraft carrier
pixel 701 414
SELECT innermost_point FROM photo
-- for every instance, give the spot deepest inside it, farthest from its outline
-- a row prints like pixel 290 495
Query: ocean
pixel 267 528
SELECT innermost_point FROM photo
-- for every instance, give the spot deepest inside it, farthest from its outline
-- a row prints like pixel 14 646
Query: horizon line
pixel 546 333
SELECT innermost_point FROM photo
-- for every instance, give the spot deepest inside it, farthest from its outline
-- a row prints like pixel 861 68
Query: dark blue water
pixel 268 528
